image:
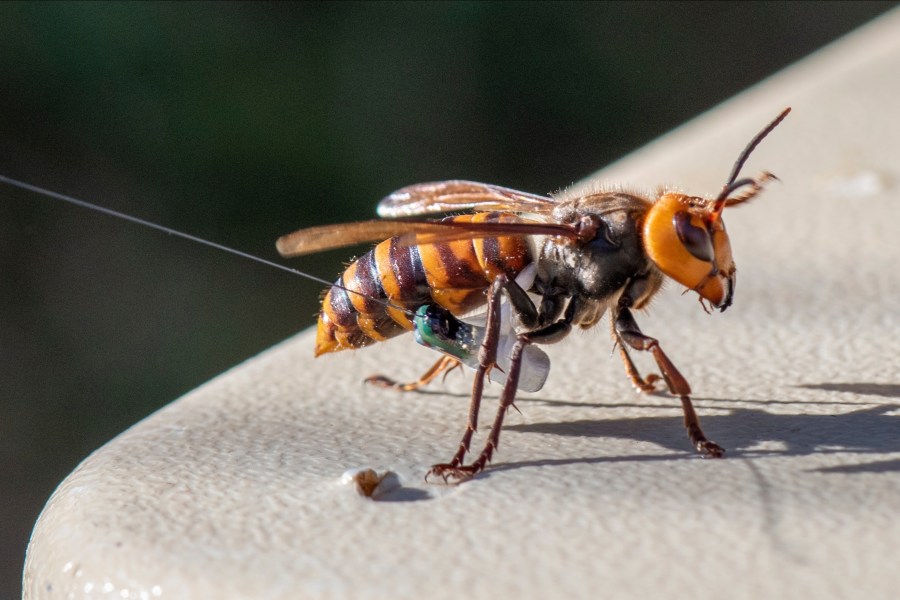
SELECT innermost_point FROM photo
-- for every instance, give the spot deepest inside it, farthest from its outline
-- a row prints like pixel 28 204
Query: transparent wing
pixel 456 195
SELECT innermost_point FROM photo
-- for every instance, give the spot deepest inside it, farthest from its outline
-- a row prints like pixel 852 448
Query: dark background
pixel 241 122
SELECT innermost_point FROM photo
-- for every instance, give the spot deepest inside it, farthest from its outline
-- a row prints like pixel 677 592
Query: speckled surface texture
pixel 234 490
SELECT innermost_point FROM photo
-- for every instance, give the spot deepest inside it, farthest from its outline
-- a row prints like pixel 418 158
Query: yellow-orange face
pixel 688 242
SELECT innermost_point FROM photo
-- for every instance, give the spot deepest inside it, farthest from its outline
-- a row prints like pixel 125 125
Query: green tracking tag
pixel 436 328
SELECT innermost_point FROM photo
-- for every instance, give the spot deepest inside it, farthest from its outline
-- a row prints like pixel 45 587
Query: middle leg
pixel 641 384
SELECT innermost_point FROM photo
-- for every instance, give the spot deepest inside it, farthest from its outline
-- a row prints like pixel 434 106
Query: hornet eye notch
pixel 695 240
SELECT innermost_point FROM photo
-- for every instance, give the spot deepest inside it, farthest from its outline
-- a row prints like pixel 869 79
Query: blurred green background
pixel 241 122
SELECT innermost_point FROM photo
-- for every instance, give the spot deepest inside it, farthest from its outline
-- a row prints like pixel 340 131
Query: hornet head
pixel 685 236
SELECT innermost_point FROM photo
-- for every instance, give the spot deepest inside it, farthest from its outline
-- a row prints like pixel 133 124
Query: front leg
pixel 627 329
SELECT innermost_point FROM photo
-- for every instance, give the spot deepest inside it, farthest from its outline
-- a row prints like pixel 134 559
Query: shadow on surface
pixel 745 432
pixel 878 466
pixel 888 390
pixel 405 494
pixel 869 430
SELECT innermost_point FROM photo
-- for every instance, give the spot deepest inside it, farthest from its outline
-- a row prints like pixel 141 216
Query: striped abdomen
pixel 453 274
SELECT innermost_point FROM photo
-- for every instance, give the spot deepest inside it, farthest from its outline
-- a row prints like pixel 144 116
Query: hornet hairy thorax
pixel 581 258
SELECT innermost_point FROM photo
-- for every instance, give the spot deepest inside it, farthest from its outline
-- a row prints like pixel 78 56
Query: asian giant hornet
pixel 582 257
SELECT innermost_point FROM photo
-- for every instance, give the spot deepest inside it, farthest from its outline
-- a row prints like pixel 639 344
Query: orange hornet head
pixel 688 243
pixel 685 237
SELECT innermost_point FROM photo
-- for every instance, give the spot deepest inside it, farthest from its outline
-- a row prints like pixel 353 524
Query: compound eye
pixel 695 239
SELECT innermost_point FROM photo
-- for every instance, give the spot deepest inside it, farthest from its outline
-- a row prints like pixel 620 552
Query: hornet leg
pixel 463 472
pixel 628 330
pixel 641 384
pixel 487 358
pixel 445 364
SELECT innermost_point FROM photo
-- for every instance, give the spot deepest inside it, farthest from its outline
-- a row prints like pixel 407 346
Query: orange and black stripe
pixel 452 274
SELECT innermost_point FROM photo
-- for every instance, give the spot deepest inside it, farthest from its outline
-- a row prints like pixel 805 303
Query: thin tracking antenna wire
pixel 113 213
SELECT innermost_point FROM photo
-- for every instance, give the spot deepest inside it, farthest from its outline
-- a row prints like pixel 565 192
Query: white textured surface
pixel 234 490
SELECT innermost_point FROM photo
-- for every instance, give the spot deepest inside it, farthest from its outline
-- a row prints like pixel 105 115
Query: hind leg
pixel 445 364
